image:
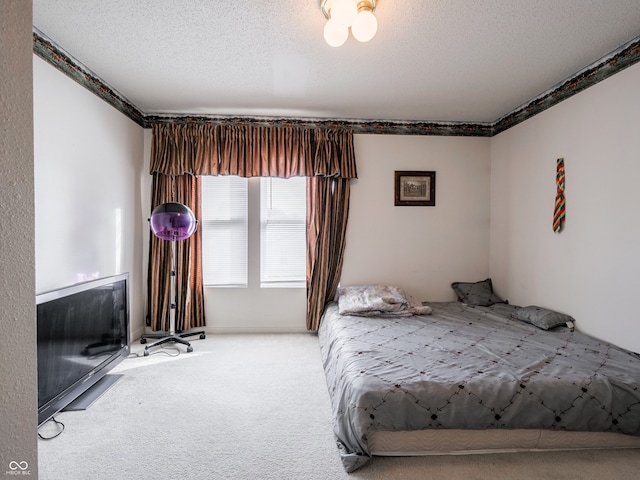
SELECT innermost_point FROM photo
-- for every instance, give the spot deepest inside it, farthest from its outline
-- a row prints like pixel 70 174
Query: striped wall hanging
pixel 559 209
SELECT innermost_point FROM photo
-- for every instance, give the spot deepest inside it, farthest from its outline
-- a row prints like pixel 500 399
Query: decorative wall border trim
pixel 621 58
pixel 357 126
pixel 46 49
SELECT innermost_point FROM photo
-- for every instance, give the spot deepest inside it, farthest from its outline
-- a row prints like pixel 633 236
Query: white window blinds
pixel 283 211
pixel 224 226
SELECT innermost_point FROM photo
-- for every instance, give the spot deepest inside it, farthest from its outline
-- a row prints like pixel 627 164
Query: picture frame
pixel 415 188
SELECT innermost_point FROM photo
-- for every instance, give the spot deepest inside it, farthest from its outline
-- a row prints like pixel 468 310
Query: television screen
pixel 83 332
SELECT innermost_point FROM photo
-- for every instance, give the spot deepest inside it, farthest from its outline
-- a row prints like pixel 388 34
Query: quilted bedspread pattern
pixel 470 368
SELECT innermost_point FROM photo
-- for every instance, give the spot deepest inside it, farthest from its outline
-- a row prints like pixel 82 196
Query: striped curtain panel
pixel 325 156
pixel 327 214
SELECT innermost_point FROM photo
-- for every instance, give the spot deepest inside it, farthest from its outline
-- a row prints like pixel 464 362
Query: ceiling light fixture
pixel 342 14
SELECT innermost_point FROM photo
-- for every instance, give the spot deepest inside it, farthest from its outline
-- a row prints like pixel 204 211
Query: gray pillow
pixel 478 294
pixel 542 318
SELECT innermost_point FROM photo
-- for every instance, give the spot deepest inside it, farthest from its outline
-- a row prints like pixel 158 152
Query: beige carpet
pixel 256 407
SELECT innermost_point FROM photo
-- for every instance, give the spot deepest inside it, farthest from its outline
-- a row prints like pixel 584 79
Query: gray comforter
pixel 470 368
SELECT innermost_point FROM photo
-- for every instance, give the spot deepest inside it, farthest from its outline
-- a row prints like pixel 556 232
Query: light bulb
pixel 364 26
pixel 343 12
pixel 334 34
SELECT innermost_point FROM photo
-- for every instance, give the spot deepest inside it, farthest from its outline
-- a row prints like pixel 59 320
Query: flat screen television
pixel 83 332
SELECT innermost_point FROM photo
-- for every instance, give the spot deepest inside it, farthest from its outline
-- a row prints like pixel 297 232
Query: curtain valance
pixel 251 151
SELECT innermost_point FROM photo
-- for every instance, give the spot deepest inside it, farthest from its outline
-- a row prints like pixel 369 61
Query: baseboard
pixel 91 395
pixel 222 330
pixel 217 330
pixel 137 333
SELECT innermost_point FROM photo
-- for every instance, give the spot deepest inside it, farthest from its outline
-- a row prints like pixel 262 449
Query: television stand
pixel 94 392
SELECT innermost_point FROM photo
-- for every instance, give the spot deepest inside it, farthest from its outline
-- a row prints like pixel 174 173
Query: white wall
pixel 88 167
pixel 420 249
pixel 18 367
pixel 590 270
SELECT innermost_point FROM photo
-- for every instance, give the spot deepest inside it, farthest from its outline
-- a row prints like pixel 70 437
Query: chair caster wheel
pixel 202 336
pixel 143 340
pixel 146 353
pixel 189 349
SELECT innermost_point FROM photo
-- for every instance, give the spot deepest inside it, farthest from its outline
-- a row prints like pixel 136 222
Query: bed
pixel 450 377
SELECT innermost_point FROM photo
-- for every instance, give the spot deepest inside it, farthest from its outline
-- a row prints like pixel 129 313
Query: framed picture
pixel 415 188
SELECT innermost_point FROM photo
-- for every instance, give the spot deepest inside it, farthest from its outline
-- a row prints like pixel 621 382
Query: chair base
pixel 163 338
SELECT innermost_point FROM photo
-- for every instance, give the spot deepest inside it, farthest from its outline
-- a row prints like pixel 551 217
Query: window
pixel 283 232
pixel 274 217
pixel 224 226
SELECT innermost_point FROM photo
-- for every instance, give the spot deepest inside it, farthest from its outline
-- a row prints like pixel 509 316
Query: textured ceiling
pixel 431 60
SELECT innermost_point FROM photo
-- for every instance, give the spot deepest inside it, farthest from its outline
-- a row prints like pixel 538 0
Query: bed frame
pixel 460 442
